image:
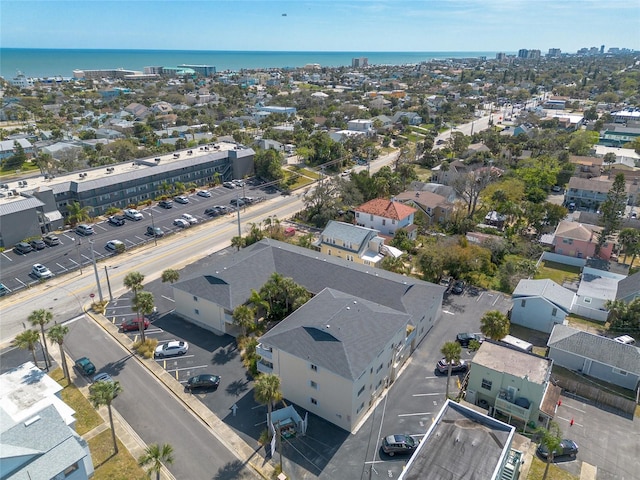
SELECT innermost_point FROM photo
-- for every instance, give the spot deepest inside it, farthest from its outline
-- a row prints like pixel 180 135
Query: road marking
pixel 425 394
pixel 73 320
pixel 568 420
pixel 370 463
pixel 414 414
pixel 167 298
pixel 478 299
pixel 5 256
pixel 430 378
pixel 494 302
pixel 448 312
pixel 175 357
pixel 186 368
pixel 575 408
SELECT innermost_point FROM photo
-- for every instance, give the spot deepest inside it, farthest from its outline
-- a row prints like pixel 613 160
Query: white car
pixel 181 199
pixel 41 271
pixel 115 246
pixel 190 218
pixel 204 193
pixel 172 348
pixel 181 222
pixel 133 214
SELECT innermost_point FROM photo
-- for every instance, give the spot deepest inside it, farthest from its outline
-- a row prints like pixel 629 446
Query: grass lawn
pixel 110 467
pixel 557 272
pixel 27 167
pixel 86 416
pixel 424 173
pixel 536 471
pixel 300 181
pixel 306 172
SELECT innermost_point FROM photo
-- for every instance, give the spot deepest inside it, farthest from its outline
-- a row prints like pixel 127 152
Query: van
pixel 626 339
pixel 84 229
pixel 518 343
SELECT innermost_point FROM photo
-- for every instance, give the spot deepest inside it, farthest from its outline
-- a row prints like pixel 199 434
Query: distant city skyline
pixel 322 25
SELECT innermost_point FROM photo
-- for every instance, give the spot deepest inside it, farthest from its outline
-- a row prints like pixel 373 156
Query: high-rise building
pixel 501 56
pixel 601 49
pixel 523 53
pixel 554 52
pixel 360 62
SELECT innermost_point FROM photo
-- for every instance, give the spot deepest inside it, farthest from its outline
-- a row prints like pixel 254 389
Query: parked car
pixel 458 287
pixel 229 185
pixel 626 339
pixel 237 202
pixel 238 183
pixel 212 212
pixel 181 223
pixel 103 377
pixel 155 231
pixel 40 271
pixel 465 338
pixel 568 448
pixel 84 230
pixel 38 244
pixel 165 204
pixel 4 290
pixel 51 240
pixel 446 282
pixel 115 246
pixel 22 247
pixel 171 349
pixel 456 367
pixel 181 199
pixel 133 214
pixel 117 220
pixel 85 366
pixel 399 444
pixel 205 381
pixel 189 218
pixel 204 193
pixel 133 324
pixel 289 232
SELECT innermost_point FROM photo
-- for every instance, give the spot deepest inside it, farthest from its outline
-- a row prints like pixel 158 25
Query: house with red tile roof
pixel 386 216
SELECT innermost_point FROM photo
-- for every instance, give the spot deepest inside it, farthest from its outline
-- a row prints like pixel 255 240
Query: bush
pixel 100 307
pixel 147 348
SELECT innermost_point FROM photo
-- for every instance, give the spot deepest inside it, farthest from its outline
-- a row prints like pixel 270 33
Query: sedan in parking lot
pixel 133 214
pixel 204 193
pixel 181 199
pixel 458 287
pixel 117 220
pixel 51 239
pixel 181 223
pixel 155 231
pixel 456 367
pixel 22 247
pixel 170 349
pixel 165 203
pixel 40 271
pixel 189 218
pixel 212 212
pixel 133 324
pixel 115 246
pixel 205 381
pixel 568 448
pixel 401 444
pixel 37 244
pixel 465 338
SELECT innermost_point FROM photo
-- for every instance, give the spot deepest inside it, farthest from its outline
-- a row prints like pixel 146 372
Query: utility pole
pixel 95 270
pixel 106 272
pixel 238 210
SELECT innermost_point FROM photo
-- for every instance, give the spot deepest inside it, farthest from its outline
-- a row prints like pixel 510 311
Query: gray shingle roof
pixel 628 286
pixel 547 289
pixel 338 332
pixel 348 233
pixel 595 347
pixel 19 205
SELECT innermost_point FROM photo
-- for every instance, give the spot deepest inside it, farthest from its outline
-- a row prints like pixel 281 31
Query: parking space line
pixel 173 358
pixel 414 414
pixel 167 298
pixel 187 368
pixel 425 394
pixel 479 297
pixel 569 421
pixel 430 378
pixel 5 256
pixel 575 408
pixel 494 302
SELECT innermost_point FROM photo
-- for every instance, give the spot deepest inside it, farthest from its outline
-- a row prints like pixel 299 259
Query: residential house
pixel 596 288
pixel 39 441
pixel 540 304
pixel 351 302
pixel 629 288
pixel 361 125
pixel 587 193
pixel 445 191
pixel 386 123
pixel 618 135
pixel 386 216
pixel 447 176
pixel 495 219
pixel 462 440
pixel 161 108
pixel 412 118
pixel 352 242
pixel 137 111
pixel 586 167
pixel 513 383
pixel 565 120
pixel 436 208
pixel 7 147
pixel 579 240
pixel 595 356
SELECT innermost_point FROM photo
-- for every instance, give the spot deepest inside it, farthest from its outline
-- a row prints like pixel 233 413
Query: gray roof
pixel 338 332
pixel 19 205
pixel 548 289
pixel 597 286
pixel 48 445
pixel 233 277
pixel 348 233
pixel 629 286
pixel 443 190
pixel 595 347
pixel 460 444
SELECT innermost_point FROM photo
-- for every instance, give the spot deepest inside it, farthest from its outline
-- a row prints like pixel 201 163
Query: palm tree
pixel 103 393
pixel 451 352
pixel 56 334
pixel 28 340
pixel 629 239
pixel 494 325
pixel 550 439
pixel 42 317
pixel 170 275
pixel 237 242
pixel 267 391
pixel 133 281
pixel 155 455
pixel 259 304
pixel 77 213
pixel 143 305
pixel 244 317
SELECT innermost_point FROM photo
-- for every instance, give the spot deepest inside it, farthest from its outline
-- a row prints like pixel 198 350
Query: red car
pixel 133 324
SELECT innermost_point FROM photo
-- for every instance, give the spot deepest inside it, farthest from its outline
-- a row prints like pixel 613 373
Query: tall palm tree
pixel 260 305
pixel 267 391
pixel 155 455
pixel 41 317
pixel 77 213
pixel 244 317
pixel 143 305
pixel 28 340
pixel 494 325
pixel 56 334
pixel 133 281
pixel 629 239
pixel 103 393
pixel 550 439
pixel 451 352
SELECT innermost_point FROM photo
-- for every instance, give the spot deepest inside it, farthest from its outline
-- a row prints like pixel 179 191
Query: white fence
pixel 564 259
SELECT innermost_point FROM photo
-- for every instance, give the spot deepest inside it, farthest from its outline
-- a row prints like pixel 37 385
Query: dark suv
pixel 22 248
pixel 165 203
pixel 155 231
pixel 402 444
pixel 568 448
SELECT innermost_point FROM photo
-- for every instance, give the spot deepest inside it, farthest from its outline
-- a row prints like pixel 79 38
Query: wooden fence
pixel 598 396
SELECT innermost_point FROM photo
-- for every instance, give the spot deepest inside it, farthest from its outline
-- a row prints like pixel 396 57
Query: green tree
pixel 451 352
pixel 624 317
pixel 18 158
pixel 268 164
pixel 612 209
pixel 40 318
pixel 77 213
pixel 494 325
pixel 143 305
pixel 267 392
pixel 56 334
pixel 244 317
pixel 102 393
pixel 28 340
pixel 237 242
pixel 154 456
pixel 133 281
pixel 170 275
pixel 550 440
pixel 629 239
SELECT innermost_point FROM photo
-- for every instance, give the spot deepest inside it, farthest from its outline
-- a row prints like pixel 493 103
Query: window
pixel 350 258
pixel 196 311
pixel 384 221
pixel 371 217
pixel 486 384
pixel 361 390
pixel 523 303
pixel 313 384
pixel 379 368
pixel 360 407
pixel 314 401
pixel 314 367
pixel 586 299
pixel 195 299
pixel 619 372
pixel 329 252
pixel 554 312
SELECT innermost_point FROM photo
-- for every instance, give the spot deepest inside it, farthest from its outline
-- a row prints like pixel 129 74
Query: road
pixel 475 126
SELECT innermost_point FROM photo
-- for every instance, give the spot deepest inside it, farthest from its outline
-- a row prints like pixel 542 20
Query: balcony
pixel 264 351
pixel 512 410
pixel 264 366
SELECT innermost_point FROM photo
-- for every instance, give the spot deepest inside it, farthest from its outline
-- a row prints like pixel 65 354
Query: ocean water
pixel 48 63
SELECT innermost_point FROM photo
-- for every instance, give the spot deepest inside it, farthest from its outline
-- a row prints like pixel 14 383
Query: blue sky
pixel 321 25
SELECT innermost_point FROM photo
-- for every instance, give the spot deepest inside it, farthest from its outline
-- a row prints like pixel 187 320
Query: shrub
pixel 146 349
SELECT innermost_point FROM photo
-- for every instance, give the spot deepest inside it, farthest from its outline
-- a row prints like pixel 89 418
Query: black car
pixel 568 448
pixel 37 244
pixel 204 382
pixel 458 287
pixel 117 220
pixel 155 231
pixel 238 202
pixel 212 212
pixel 465 338
pixel 402 444
pixel 165 203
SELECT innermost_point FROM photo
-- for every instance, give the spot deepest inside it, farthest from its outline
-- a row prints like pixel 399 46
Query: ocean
pixel 41 63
